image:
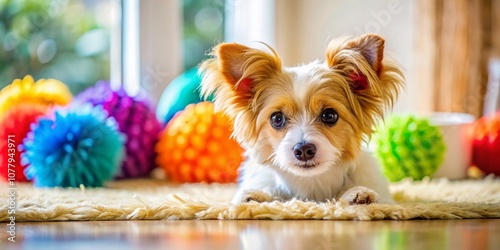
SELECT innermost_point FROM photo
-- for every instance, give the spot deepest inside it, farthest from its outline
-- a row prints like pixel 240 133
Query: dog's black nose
pixel 304 151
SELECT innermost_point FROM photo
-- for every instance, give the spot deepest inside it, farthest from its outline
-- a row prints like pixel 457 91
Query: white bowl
pixel 458 146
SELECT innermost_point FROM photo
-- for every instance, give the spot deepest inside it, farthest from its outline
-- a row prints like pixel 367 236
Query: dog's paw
pixel 360 195
pixel 254 195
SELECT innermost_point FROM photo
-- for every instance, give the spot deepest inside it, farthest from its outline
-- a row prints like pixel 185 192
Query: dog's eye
pixel 277 120
pixel 329 116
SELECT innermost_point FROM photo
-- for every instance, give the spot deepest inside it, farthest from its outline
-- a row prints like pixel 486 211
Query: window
pixel 203 28
pixel 63 39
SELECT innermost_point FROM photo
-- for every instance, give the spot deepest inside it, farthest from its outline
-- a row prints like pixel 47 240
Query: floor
pixel 310 235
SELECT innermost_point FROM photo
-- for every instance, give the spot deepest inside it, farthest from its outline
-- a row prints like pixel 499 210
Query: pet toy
pixel 43 91
pixel 196 146
pixel 14 125
pixel 181 92
pixel 408 146
pixel 76 145
pixel 136 119
pixel 485 135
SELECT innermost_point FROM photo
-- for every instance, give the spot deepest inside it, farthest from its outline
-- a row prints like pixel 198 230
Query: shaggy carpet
pixel 156 200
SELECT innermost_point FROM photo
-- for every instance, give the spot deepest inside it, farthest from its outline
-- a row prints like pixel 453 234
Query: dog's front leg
pixel 360 195
pixel 254 195
pixel 249 195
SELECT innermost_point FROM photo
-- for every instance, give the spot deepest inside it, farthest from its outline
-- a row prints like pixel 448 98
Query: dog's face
pixel 303 119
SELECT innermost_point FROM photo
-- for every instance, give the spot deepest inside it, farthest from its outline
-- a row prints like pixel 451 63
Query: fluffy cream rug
pixel 156 200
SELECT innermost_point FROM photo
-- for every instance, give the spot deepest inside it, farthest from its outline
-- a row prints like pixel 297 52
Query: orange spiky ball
pixel 195 146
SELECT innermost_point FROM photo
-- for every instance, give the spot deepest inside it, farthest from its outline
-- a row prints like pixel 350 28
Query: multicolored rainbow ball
pixel 76 145
pixel 44 91
pixel 14 126
pixel 196 146
pixel 485 135
pixel 136 119
pixel 408 146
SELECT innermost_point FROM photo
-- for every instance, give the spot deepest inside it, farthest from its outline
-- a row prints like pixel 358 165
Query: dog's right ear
pixel 240 68
pixel 234 76
pixel 232 58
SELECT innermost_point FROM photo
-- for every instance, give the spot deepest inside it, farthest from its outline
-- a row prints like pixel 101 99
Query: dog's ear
pixel 232 57
pixel 233 77
pixel 357 56
pixel 242 67
pixel 370 47
pixel 374 82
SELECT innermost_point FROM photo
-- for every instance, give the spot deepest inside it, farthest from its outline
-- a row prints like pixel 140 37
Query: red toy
pixel 485 136
pixel 14 126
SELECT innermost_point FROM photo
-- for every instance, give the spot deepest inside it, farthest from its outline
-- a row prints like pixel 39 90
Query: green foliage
pixel 52 39
pixel 409 147
pixel 203 28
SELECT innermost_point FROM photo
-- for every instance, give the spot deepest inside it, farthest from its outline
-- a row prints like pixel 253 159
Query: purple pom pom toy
pixel 136 119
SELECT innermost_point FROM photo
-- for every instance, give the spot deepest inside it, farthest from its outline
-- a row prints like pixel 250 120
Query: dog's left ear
pixel 370 47
pixel 357 57
pixel 374 82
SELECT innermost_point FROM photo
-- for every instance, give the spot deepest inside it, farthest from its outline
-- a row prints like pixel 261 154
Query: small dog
pixel 303 127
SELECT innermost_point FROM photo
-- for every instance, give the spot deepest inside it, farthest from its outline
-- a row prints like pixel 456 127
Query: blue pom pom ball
pixel 77 145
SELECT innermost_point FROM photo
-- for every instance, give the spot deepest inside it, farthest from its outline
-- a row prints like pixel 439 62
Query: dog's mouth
pixel 308 168
pixel 307 165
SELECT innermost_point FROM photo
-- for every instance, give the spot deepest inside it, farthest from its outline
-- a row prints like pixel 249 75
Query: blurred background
pixel 68 40
pixel 450 49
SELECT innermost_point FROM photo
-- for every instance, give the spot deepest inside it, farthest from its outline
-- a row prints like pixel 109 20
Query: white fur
pixel 331 184
pixel 304 77
pixel 326 153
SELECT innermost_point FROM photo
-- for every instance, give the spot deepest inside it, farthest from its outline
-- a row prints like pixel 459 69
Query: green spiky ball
pixel 407 146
